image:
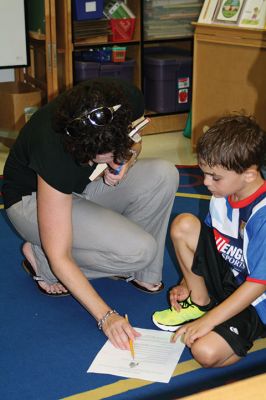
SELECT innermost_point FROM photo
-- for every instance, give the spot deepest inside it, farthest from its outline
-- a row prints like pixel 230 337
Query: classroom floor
pixel 172 146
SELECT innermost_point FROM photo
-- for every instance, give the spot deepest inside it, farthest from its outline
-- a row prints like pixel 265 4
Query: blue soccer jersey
pixel 240 234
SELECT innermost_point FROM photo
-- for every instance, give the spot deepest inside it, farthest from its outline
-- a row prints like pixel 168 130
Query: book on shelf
pixel 117 10
pixel 242 13
pixel 254 14
pixel 228 11
pixel 169 3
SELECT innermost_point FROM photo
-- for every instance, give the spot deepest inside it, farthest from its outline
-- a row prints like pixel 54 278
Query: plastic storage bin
pixel 119 53
pixel 99 54
pixel 84 70
pixel 124 70
pixel 83 9
pixel 167 79
pixel 122 30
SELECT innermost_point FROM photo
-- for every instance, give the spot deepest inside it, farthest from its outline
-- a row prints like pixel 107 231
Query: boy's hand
pixel 193 331
pixel 178 293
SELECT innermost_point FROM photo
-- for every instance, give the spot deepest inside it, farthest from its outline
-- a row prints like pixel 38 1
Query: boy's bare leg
pixel 212 351
pixel 185 231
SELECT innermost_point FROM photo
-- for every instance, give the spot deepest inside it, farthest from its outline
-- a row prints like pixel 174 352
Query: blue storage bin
pixel 83 9
pixel 84 70
pixel 101 54
pixel 124 70
pixel 167 79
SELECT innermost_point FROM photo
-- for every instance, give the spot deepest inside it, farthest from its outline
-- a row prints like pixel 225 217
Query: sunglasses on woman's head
pixel 97 117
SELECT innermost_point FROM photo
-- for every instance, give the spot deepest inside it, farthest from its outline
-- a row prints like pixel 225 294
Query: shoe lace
pixel 186 303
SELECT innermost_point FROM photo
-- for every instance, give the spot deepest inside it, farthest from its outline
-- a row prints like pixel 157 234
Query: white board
pixel 13 40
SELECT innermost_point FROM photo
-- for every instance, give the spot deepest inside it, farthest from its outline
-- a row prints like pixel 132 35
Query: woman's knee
pixel 169 174
pixel 184 226
pixel 145 252
pixel 165 175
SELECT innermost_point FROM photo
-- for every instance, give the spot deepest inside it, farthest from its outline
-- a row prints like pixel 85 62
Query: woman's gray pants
pixel 117 230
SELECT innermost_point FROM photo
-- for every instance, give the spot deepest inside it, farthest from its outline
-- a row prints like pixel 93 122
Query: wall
pixel 7 75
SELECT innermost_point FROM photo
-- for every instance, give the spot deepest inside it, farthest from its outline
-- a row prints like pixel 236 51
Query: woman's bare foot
pixel 50 289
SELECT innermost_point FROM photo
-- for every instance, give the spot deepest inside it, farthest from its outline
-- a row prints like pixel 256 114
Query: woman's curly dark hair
pixel 90 139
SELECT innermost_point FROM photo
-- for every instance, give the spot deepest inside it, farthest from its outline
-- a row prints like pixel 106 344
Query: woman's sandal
pixel 133 282
pixel 29 269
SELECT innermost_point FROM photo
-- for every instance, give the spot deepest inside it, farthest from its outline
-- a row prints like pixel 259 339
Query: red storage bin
pixel 122 30
pixel 119 54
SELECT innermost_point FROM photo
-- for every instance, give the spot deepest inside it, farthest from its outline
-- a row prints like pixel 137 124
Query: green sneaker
pixel 170 319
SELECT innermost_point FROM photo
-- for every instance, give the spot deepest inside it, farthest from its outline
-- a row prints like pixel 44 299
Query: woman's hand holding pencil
pixel 120 333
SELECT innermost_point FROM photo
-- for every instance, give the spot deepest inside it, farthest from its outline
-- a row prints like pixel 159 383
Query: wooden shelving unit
pixel 50 48
pixel 52 54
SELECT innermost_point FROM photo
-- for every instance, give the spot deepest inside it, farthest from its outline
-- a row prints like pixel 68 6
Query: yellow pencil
pixel 131 345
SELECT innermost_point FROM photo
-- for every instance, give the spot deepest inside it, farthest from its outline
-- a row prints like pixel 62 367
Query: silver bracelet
pixel 105 317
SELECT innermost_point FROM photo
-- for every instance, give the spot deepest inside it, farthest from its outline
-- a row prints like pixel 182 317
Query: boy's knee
pixel 183 225
pixel 204 354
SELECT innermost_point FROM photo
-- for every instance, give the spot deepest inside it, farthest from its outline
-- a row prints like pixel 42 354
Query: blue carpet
pixel 47 344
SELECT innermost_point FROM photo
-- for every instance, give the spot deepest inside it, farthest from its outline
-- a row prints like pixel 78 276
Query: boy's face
pixel 221 182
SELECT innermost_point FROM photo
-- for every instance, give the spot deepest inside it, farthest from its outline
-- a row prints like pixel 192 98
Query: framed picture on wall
pixel 228 11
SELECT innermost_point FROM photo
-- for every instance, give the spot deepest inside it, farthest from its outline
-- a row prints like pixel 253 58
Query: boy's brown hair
pixel 234 142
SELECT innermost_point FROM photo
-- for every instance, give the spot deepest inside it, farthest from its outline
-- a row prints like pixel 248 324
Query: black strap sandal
pixel 29 269
pixel 158 288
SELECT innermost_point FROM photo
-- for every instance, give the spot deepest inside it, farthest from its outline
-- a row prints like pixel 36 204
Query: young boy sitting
pixel 223 290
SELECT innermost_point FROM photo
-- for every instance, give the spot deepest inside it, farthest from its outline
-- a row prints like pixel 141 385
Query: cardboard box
pixel 15 97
